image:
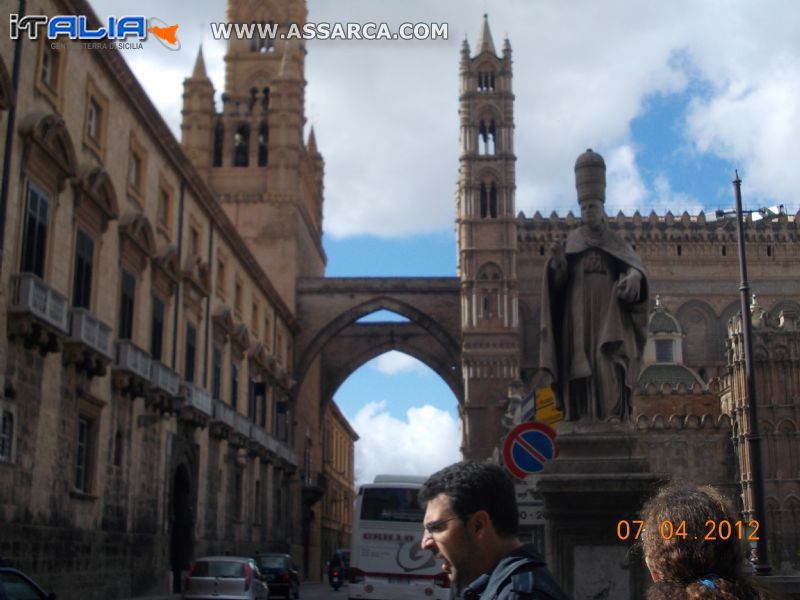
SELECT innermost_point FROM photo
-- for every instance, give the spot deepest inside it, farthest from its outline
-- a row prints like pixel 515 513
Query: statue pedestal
pixel 598 479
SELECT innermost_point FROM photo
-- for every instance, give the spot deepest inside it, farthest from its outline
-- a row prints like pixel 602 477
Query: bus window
pixel 391 504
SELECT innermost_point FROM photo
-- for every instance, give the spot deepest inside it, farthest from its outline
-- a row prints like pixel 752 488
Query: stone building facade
pixel 338 470
pixel 149 412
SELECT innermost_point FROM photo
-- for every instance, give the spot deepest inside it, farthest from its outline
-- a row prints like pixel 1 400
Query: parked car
pixel 225 577
pixel 15 584
pixel 281 573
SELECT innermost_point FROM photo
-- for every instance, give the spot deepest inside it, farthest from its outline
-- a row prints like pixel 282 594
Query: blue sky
pixel 675 95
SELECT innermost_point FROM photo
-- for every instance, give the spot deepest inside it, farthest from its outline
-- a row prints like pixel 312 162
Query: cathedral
pixel 171 346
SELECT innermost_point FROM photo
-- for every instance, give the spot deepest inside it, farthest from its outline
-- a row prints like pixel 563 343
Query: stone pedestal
pixel 598 479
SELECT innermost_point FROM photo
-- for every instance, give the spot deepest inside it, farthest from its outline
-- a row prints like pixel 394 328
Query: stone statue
pixel 594 310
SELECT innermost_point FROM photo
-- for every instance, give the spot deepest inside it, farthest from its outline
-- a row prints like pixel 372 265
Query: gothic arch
pixel 488 62
pixel 259 80
pixel 490 271
pixel 775 311
pixel 489 174
pixel 353 314
pixel 700 343
pixel 451 377
pixel 489 111
pixel 264 11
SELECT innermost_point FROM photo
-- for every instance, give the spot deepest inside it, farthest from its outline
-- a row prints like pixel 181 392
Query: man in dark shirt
pixel 471 523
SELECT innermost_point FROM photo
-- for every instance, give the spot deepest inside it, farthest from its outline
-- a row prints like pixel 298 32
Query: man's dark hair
pixel 473 486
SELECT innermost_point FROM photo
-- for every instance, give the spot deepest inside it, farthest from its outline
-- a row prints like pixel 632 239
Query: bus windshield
pixel 391 504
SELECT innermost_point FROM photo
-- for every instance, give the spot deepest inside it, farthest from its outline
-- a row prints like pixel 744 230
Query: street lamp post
pixel 753 438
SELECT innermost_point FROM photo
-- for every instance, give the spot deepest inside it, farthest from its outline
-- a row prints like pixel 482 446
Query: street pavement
pixel 321 591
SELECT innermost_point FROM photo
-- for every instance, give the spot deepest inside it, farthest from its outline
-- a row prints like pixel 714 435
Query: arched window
pixel 484 201
pixel 487 137
pixel 486 81
pixel 263 138
pixel 241 146
pixel 219 135
pixel 490 281
pixel 261 40
pixel 493 201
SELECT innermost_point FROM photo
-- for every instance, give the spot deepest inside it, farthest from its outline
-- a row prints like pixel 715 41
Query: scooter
pixel 336 579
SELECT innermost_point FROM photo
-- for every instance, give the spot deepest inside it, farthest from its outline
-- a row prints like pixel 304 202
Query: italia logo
pixel 77 27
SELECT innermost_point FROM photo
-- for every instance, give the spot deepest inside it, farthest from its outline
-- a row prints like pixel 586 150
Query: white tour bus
pixel 386 559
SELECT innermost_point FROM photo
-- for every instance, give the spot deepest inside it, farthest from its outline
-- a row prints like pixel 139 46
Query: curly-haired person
pixel 683 560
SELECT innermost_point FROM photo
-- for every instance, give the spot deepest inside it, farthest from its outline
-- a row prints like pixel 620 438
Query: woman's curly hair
pixel 683 562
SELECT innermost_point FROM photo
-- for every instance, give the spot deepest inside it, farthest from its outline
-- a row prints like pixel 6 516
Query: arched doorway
pixel 182 521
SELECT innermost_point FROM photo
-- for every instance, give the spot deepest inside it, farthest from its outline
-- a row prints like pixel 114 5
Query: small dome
pixel 661 322
pixel 590 176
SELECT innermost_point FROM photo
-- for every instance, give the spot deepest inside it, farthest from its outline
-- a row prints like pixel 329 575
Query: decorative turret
pixel 198 116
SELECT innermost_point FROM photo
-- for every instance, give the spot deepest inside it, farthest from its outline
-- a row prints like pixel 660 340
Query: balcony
pixel 164 385
pixel 263 439
pixel 313 487
pixel 37 313
pixel 196 409
pixel 241 430
pixel 131 370
pixel 270 445
pixel 89 345
pixel 224 419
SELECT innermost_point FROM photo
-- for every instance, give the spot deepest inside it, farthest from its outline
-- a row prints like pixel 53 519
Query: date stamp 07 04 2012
pixel 714 530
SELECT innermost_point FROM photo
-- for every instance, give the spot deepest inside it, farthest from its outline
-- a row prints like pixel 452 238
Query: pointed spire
pixel 312 142
pixel 485 43
pixel 288 68
pixel 199 71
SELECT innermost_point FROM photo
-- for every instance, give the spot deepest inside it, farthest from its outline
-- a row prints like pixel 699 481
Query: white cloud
pixel 756 128
pixel 426 441
pixel 398 363
pixel 667 199
pixel 625 190
pixel 386 113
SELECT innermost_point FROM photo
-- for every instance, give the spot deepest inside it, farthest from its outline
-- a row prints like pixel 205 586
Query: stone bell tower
pixel 252 153
pixel 487 241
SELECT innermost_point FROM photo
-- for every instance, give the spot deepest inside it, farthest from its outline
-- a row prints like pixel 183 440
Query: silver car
pixel 225 578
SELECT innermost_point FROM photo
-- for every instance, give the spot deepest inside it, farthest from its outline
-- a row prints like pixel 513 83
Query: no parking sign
pixel 527 447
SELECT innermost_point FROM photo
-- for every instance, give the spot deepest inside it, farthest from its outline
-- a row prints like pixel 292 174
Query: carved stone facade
pixel 776 367
pixel 338 469
pixel 149 411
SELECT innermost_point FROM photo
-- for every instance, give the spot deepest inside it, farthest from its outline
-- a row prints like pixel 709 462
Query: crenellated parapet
pixel 651 234
pixel 677 422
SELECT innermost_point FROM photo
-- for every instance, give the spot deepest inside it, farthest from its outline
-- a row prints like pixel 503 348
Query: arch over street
pixel 328 311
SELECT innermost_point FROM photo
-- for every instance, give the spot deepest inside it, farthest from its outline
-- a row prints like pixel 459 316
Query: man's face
pixel 592 213
pixel 450 541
